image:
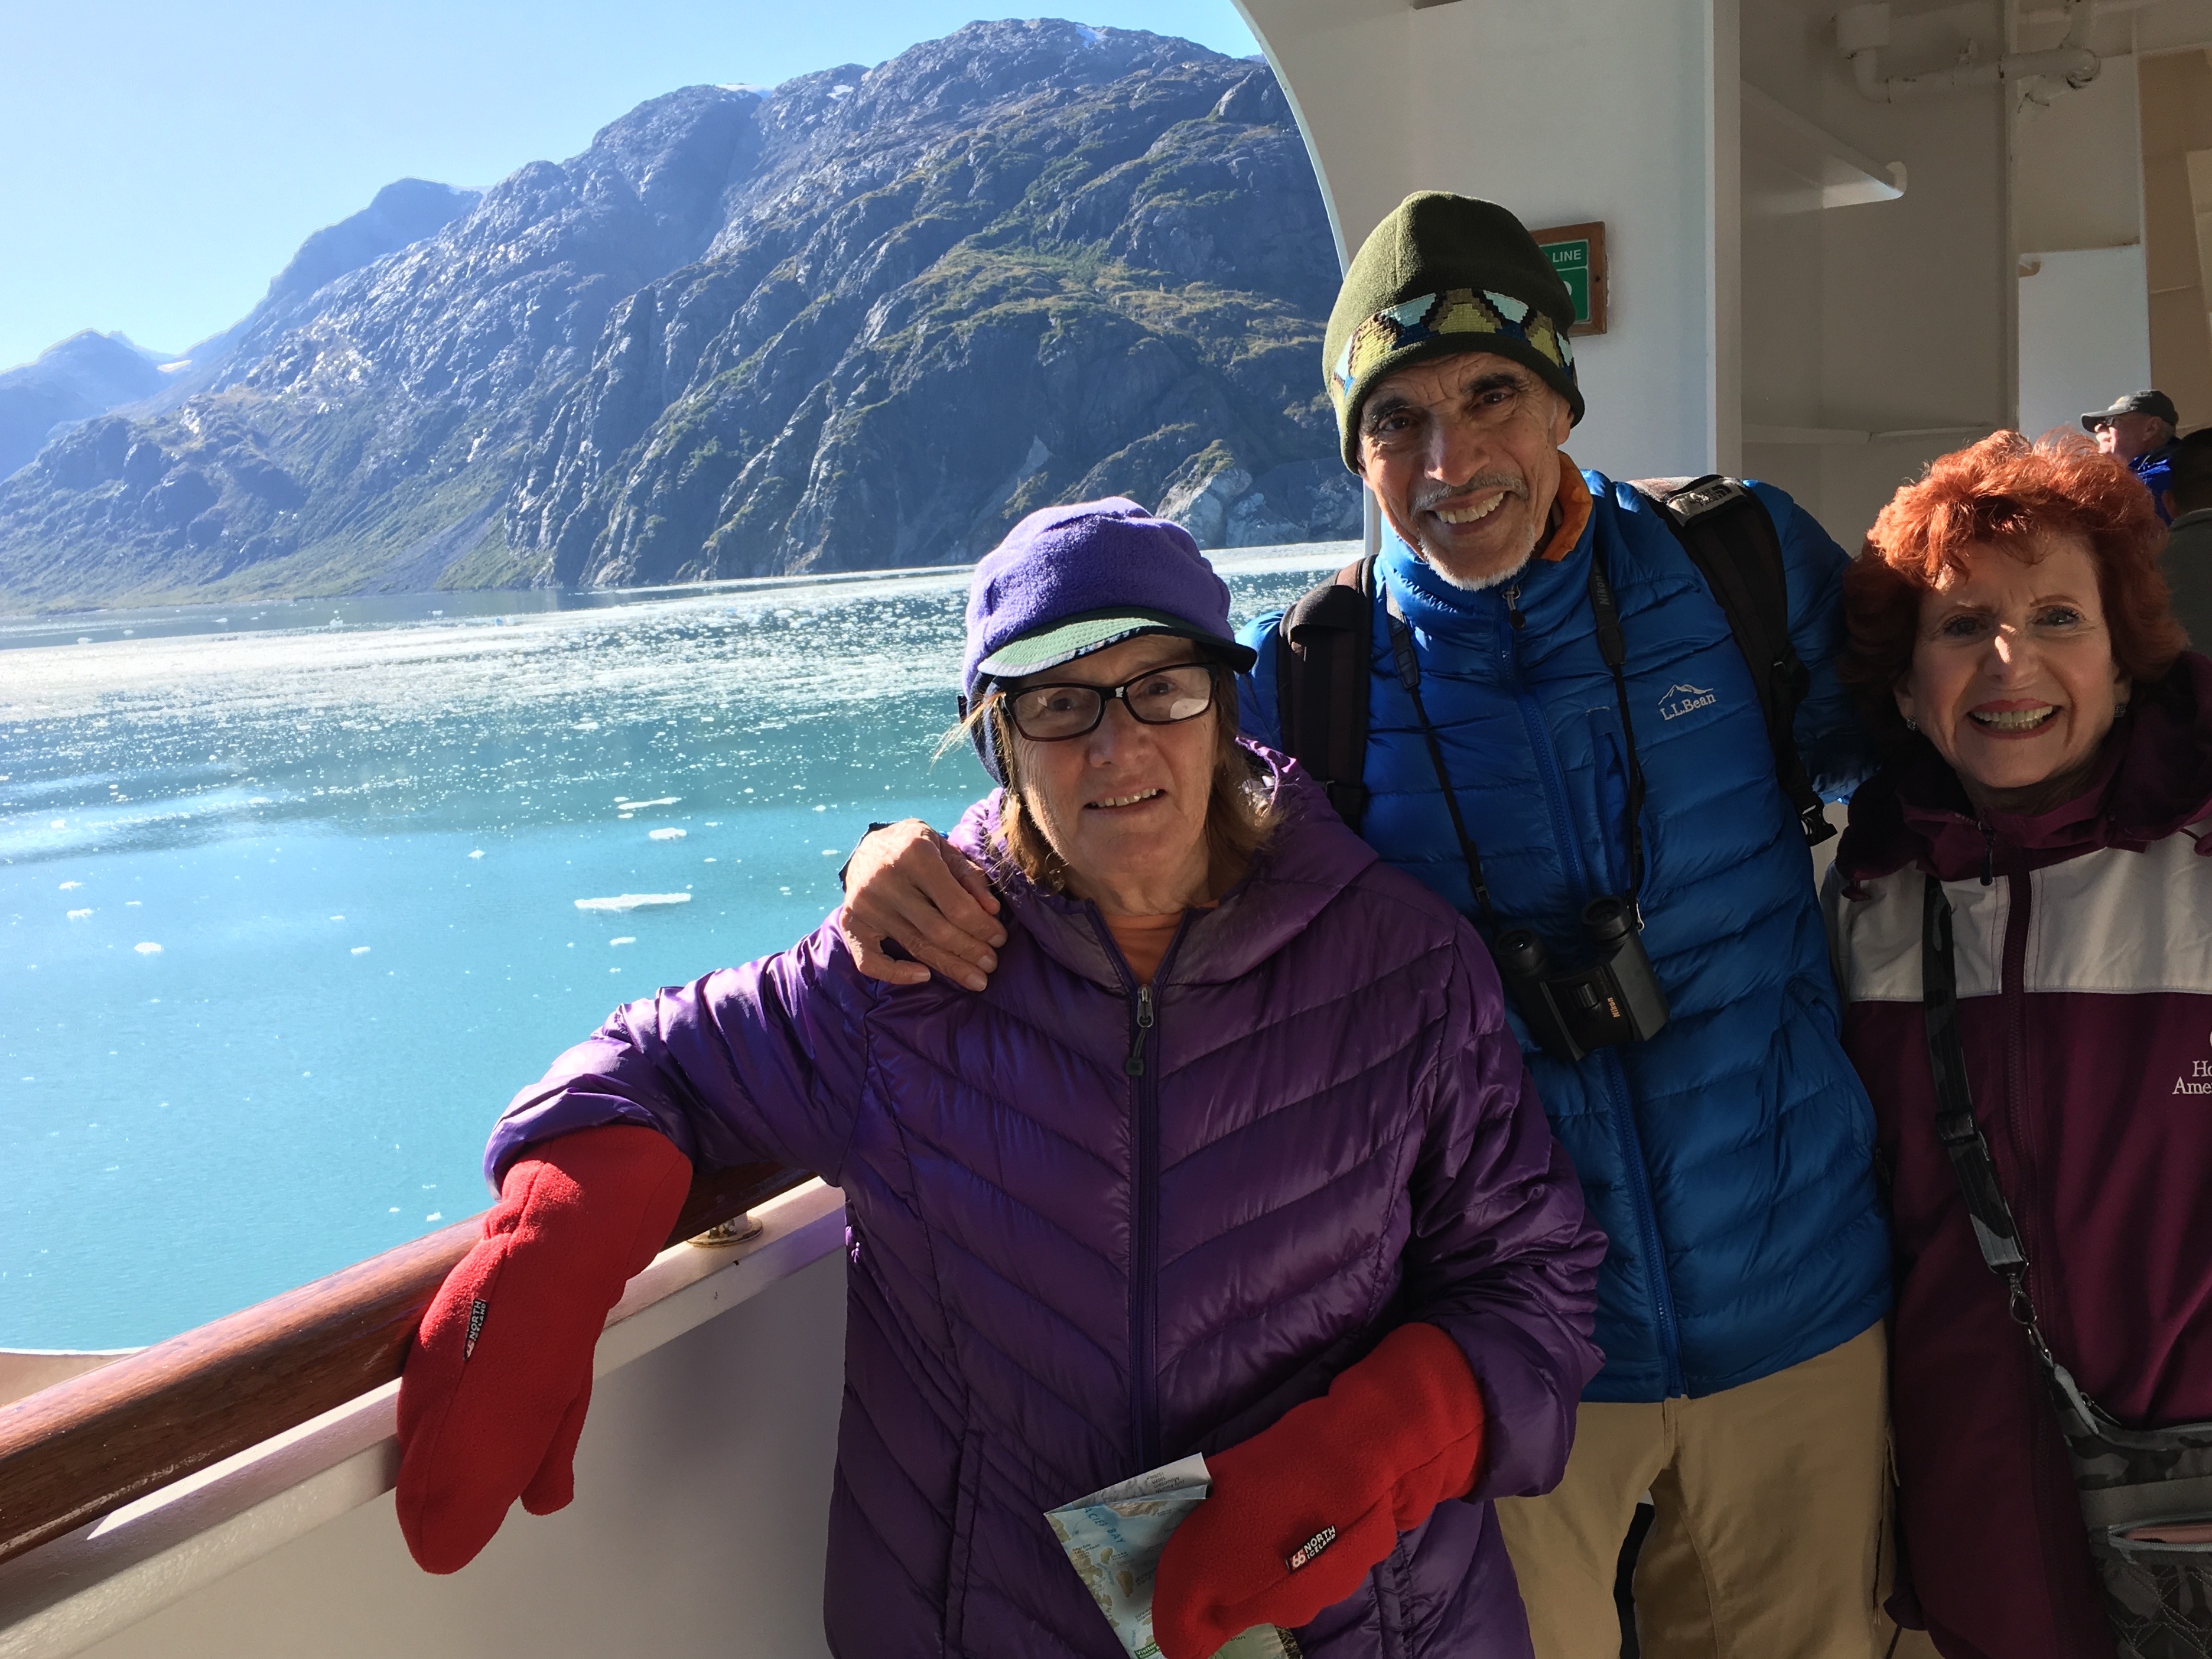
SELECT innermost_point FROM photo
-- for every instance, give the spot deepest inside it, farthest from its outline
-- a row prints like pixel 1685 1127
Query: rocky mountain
pixel 90 374
pixel 864 319
pixel 86 374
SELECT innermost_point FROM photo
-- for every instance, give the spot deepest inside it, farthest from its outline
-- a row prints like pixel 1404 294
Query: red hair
pixel 2007 493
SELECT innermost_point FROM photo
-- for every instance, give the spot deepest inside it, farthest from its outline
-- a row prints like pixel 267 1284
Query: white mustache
pixel 1428 499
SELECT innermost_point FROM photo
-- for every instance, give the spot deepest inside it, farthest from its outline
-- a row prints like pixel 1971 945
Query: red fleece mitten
pixel 1301 1512
pixel 493 1398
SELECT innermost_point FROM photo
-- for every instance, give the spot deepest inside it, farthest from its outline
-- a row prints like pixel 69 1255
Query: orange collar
pixel 1570 511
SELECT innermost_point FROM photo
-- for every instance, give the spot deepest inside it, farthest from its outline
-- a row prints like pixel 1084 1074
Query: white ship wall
pixel 702 1497
pixel 1833 349
pixel 1565 111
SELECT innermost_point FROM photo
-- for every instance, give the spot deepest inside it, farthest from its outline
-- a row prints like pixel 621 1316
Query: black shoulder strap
pixel 1324 657
pixel 1997 1235
pixel 1729 536
pixel 1995 1231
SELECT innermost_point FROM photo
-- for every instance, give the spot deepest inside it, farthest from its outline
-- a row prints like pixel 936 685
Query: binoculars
pixel 1615 999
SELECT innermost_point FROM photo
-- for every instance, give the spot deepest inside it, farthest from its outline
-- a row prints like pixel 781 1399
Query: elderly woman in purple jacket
pixel 1236 1156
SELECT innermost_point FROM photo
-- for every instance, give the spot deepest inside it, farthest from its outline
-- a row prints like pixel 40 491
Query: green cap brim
pixel 1079 636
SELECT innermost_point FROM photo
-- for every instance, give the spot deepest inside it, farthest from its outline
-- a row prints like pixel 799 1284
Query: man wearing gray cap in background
pixel 2187 560
pixel 2139 428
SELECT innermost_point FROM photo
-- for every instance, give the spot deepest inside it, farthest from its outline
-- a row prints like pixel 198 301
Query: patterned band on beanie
pixel 1431 316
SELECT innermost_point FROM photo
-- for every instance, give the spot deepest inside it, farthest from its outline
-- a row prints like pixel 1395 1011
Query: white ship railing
pixel 224 1491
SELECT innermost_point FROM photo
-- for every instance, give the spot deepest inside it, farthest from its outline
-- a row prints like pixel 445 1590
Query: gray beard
pixel 1476 584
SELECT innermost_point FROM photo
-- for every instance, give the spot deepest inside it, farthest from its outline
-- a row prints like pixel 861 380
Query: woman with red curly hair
pixel 2020 908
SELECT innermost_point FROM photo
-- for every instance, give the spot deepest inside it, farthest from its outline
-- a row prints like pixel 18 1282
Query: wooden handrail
pixel 83 1449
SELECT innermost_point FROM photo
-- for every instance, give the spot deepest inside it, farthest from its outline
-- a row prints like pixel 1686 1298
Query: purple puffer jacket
pixel 1083 1247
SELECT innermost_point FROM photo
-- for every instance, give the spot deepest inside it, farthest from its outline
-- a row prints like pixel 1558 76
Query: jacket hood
pixel 2154 775
pixel 1309 859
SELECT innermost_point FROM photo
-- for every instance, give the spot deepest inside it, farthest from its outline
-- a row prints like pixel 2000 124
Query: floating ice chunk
pixel 478 854
pixel 633 901
pixel 360 950
pixel 337 918
pixel 71 886
pixel 130 904
pixel 148 949
pixel 627 938
pixel 436 1215
pixel 59 824
pixel 639 806
pixel 258 800
pixel 829 851
pixel 78 915
pixel 671 834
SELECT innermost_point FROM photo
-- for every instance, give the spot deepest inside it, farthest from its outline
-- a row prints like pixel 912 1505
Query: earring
pixel 1911 724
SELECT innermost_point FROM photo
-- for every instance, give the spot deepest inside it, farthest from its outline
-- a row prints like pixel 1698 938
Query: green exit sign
pixel 1578 253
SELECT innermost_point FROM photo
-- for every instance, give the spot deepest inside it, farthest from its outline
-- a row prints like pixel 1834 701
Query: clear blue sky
pixel 160 162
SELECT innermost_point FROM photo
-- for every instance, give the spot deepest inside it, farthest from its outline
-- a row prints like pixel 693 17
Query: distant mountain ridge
pixel 866 319
pixel 84 375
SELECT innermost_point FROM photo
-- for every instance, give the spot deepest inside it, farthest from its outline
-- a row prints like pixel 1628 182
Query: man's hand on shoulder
pixel 910 887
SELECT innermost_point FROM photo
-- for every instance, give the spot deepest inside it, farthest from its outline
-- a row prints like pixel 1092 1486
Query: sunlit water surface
pixel 288 893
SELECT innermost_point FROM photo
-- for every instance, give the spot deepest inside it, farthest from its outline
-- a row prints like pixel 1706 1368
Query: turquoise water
pixel 287 892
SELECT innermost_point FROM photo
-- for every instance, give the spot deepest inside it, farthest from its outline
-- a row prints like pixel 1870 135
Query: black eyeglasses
pixel 1158 696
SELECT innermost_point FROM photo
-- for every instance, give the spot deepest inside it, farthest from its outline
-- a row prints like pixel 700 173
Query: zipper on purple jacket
pixel 1134 1066
pixel 1142 1069
pixel 1143 1336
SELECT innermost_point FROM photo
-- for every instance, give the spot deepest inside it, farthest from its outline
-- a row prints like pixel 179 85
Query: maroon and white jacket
pixel 2084 956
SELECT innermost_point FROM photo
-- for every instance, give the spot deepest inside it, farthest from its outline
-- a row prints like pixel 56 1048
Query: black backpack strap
pixel 1997 1235
pixel 1324 658
pixel 1730 536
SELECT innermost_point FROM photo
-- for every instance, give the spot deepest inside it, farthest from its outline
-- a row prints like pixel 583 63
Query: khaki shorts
pixel 1772 1514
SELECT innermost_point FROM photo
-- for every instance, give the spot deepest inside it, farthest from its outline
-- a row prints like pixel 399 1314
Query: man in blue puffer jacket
pixel 1728 1156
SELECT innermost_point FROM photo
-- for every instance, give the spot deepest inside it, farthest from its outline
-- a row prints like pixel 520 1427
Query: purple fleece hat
pixel 1069 580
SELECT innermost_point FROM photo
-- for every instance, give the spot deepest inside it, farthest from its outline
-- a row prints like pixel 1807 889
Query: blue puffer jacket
pixel 1729 1158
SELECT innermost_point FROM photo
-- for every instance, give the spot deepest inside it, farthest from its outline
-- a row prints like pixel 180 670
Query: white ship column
pixel 1809 282
pixel 1565 111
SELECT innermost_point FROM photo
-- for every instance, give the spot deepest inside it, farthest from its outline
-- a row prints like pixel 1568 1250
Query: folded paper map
pixel 1114 1538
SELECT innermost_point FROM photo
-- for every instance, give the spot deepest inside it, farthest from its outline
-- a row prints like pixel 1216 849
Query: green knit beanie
pixel 1442 274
